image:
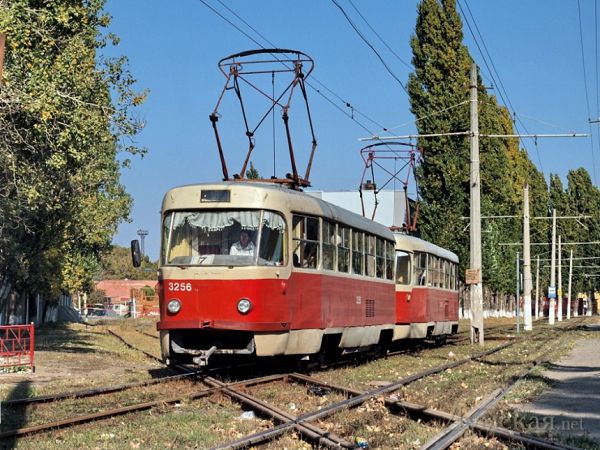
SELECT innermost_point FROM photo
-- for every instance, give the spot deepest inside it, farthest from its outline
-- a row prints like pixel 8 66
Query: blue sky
pixel 174 47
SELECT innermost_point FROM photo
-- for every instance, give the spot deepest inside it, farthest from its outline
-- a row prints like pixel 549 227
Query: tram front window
pixel 223 238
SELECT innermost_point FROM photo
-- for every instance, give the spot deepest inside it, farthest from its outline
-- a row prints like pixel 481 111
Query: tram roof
pixel 269 196
pixel 413 243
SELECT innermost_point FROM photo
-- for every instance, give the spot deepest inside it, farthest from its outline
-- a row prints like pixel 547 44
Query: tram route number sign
pixel 473 276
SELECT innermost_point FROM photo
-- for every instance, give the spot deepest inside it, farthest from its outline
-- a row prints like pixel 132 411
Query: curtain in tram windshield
pixel 216 221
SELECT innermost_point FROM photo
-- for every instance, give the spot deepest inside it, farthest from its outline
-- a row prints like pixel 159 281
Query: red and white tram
pixel 257 269
pixel 426 289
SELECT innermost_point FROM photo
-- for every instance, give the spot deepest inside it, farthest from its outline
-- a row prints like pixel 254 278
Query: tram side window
pixel 343 249
pixel 447 274
pixel 389 261
pixel 370 254
pixel 306 241
pixel 380 258
pixel 431 270
pixel 434 271
pixel 329 239
pixel 403 269
pixel 357 252
pixel 420 269
pixel 453 283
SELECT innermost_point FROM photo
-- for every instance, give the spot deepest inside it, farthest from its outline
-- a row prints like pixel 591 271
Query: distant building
pixel 390 209
pixel 119 291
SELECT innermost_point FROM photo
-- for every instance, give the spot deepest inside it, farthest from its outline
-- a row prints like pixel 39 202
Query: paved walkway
pixel 572 406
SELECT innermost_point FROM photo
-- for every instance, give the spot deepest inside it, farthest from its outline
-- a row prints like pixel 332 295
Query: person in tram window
pixel 310 256
pixel 244 247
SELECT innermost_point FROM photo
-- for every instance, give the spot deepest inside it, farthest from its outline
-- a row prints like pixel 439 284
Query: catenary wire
pixel 263 37
pixel 263 47
pixel 379 36
pixel 329 100
pixel 596 42
pixel 366 41
pixel 587 98
pixel 501 91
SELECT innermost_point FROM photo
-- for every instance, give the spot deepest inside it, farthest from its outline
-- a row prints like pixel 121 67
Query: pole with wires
pixel 552 287
pixel 526 263
pixel 476 288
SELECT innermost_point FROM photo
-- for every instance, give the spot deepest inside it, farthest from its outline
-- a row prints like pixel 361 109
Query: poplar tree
pixel 439 98
pixel 437 87
pixel 584 199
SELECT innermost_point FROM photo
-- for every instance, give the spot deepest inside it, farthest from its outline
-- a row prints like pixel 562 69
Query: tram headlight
pixel 244 306
pixel 174 306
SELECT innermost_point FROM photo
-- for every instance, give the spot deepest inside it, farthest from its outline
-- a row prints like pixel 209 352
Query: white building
pixel 390 209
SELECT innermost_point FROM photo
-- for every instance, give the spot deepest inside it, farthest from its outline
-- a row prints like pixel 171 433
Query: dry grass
pixel 197 424
pixel 74 357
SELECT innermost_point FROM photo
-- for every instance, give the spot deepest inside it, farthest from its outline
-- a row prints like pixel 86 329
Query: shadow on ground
pixel 14 417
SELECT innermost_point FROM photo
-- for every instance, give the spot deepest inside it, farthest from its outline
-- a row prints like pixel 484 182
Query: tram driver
pixel 244 247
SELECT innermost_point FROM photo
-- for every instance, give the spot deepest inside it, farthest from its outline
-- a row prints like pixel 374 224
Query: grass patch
pixel 196 424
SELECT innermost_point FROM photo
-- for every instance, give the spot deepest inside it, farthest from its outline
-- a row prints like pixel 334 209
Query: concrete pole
pixel 537 288
pixel 570 279
pixel 552 287
pixel 559 292
pixel 476 289
pixel 518 295
pixel 527 322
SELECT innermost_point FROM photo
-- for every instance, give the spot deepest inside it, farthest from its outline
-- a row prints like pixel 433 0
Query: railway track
pixel 284 420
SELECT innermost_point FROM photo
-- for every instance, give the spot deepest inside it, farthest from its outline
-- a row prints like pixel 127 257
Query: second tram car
pixel 257 269
pixel 426 290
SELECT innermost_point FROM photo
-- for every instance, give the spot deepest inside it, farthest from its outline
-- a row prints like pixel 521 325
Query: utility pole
pixel 570 279
pixel 552 287
pixel 476 288
pixel 537 288
pixel 527 322
pixel 559 291
pixel 518 295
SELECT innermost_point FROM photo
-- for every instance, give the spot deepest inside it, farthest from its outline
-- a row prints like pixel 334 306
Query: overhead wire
pixel 366 41
pixel 346 103
pixel 318 91
pixel 497 80
pixel 596 42
pixel 585 84
pixel 379 36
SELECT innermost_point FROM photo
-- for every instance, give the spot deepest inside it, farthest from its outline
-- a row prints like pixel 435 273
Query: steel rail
pixel 486 430
pixel 349 403
pixel 313 432
pixel 452 433
pixel 127 344
pixel 410 408
pixel 147 334
pixel 129 409
pixel 92 392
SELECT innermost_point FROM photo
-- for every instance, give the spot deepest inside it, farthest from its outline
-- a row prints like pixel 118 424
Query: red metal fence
pixel 17 344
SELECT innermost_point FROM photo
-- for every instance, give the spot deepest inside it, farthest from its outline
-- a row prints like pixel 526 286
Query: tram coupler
pixel 202 359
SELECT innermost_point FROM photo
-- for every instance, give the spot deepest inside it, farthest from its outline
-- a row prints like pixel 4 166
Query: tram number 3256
pixel 181 287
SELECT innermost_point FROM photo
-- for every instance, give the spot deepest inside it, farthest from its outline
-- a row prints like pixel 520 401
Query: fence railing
pixel 17 344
